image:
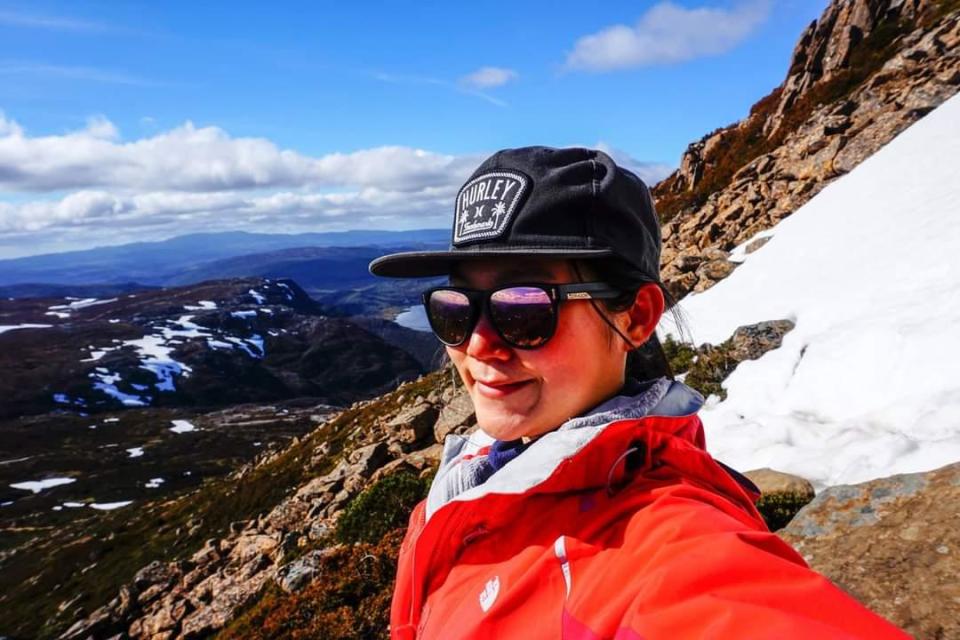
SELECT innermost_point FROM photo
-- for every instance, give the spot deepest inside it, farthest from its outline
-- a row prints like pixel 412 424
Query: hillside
pixel 212 344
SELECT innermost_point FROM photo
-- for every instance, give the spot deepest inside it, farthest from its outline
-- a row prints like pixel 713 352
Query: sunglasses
pixel 523 315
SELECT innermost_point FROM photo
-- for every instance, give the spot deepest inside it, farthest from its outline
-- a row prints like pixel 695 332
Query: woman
pixel 586 506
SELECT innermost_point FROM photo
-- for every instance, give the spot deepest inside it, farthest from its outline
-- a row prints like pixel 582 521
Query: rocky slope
pixel 860 75
pixel 242 537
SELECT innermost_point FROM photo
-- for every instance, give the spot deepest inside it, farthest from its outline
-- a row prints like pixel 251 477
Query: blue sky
pixel 332 93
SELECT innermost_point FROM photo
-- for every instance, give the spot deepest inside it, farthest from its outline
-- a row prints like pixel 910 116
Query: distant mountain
pixel 168 261
pixel 207 345
pixel 41 290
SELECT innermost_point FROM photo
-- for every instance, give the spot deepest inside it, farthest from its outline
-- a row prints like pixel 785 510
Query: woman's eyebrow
pixel 519 274
pixel 516 275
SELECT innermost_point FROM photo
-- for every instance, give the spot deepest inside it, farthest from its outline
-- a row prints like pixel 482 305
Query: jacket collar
pixel 463 473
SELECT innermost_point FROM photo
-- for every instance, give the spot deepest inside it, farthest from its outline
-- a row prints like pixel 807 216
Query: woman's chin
pixel 504 425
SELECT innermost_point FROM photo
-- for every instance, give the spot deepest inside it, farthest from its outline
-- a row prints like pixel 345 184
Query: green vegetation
pixel 680 355
pixel 351 602
pixel 381 508
pixel 939 10
pixel 778 509
pixel 706 367
pixel 712 367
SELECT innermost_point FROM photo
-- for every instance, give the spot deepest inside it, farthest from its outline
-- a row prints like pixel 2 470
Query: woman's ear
pixel 640 320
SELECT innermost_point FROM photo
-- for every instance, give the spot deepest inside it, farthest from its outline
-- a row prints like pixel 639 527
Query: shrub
pixel 679 354
pixel 351 600
pixel 381 508
pixel 712 367
pixel 778 509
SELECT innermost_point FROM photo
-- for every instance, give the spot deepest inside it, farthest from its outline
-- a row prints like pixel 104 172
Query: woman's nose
pixel 486 343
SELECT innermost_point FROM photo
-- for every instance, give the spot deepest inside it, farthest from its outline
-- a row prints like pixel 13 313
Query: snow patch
pixel 202 305
pixel 36 486
pixel 109 506
pixel 13 327
pixel 182 426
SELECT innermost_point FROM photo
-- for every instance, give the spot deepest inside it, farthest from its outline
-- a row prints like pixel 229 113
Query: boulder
pixel 782 495
pixel 297 574
pixel 415 423
pixel 772 482
pixel 749 342
pixel 456 417
pixel 366 460
pixel 893 544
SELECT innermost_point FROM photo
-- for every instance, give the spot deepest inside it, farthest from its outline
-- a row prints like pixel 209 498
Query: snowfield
pixel 868 382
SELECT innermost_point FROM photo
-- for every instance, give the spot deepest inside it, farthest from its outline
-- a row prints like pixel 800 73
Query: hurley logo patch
pixel 486 204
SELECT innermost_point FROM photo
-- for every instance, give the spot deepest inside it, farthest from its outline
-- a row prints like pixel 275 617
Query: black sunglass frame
pixel 480 300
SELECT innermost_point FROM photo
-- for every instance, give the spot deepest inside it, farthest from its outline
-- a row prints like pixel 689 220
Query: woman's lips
pixel 500 389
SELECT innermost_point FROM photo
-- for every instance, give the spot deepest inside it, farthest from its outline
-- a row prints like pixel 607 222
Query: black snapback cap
pixel 544 202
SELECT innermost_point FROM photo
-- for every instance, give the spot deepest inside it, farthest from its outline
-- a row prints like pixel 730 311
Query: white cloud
pixel 488 77
pixel 199 159
pixel 100 127
pixel 650 172
pixel 54 23
pixel 9 127
pixel 90 74
pixel 102 217
pixel 462 86
pixel 668 33
pixel 92 187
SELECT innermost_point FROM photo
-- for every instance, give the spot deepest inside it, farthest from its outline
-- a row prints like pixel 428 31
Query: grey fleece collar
pixel 660 396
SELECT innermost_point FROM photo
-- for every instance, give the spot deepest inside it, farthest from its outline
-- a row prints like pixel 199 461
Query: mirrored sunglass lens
pixel 449 313
pixel 524 315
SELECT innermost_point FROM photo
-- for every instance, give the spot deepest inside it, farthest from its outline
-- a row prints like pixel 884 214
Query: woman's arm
pixel 702 574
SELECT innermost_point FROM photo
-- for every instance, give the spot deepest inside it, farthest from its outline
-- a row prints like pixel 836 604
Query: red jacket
pixel 625 531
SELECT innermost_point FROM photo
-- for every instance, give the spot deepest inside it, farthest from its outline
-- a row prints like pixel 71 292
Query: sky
pixel 133 121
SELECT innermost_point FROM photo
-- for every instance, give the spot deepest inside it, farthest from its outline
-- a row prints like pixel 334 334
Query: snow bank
pixel 868 383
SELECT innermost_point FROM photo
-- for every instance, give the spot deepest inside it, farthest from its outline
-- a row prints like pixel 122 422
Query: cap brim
pixel 424 264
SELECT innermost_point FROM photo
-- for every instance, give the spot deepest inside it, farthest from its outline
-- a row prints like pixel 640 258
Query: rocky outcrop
pixel 825 47
pixel 706 367
pixel 808 132
pixel 893 544
pixel 194 598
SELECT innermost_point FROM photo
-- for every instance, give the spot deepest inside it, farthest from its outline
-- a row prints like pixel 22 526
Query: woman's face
pixel 527 392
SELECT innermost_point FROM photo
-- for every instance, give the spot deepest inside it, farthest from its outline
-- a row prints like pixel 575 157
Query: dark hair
pixel 648 360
